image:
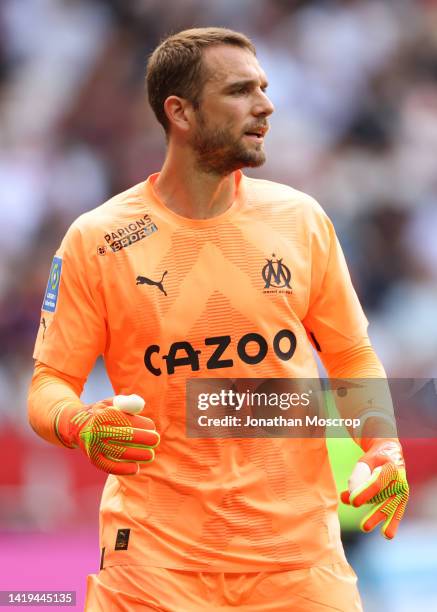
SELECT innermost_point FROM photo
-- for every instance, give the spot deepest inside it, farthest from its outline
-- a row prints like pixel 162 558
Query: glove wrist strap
pixel 69 420
pixel 384 451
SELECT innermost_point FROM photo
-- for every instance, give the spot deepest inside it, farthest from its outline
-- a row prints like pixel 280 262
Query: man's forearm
pixel 375 429
pixel 361 361
pixel 51 391
pixel 369 399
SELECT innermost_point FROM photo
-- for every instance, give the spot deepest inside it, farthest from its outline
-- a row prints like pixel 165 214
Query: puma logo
pixel 143 280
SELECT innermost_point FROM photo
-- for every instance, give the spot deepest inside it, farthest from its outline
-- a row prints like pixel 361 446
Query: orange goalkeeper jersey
pixel 164 299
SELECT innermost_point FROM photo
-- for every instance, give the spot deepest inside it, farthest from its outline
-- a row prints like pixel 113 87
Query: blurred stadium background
pixel 354 83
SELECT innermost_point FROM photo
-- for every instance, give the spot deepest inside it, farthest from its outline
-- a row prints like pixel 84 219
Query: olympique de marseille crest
pixel 276 276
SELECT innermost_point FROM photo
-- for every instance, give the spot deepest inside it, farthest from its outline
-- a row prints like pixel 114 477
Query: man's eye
pixel 241 90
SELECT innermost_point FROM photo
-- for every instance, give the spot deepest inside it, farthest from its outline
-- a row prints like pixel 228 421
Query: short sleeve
pixel 72 331
pixel 335 320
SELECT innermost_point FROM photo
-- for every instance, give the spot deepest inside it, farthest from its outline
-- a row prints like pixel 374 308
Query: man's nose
pixel 264 106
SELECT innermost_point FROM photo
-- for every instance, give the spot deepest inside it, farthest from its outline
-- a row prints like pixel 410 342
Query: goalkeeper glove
pixel 110 433
pixel 379 479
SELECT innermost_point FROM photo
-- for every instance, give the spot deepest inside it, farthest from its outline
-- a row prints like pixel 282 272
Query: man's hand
pixel 379 479
pixel 111 434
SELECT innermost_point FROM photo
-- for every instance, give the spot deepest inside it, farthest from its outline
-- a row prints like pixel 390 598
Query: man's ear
pixel 179 112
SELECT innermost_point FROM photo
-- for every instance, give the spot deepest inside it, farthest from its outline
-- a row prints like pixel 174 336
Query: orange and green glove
pixel 111 433
pixel 379 479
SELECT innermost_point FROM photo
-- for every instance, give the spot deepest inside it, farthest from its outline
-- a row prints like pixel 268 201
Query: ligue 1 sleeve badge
pixel 52 290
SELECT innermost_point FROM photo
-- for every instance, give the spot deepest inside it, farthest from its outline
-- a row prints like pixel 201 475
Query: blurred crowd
pixel 354 83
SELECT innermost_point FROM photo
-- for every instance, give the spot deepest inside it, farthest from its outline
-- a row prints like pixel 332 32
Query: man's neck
pixel 191 193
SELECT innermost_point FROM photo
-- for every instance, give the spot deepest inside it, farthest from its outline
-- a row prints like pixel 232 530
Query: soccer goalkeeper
pixel 200 271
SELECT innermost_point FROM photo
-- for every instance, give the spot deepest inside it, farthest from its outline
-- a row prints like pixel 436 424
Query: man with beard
pixel 201 272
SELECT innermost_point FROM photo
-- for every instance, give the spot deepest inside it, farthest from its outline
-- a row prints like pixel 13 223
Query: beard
pixel 219 152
